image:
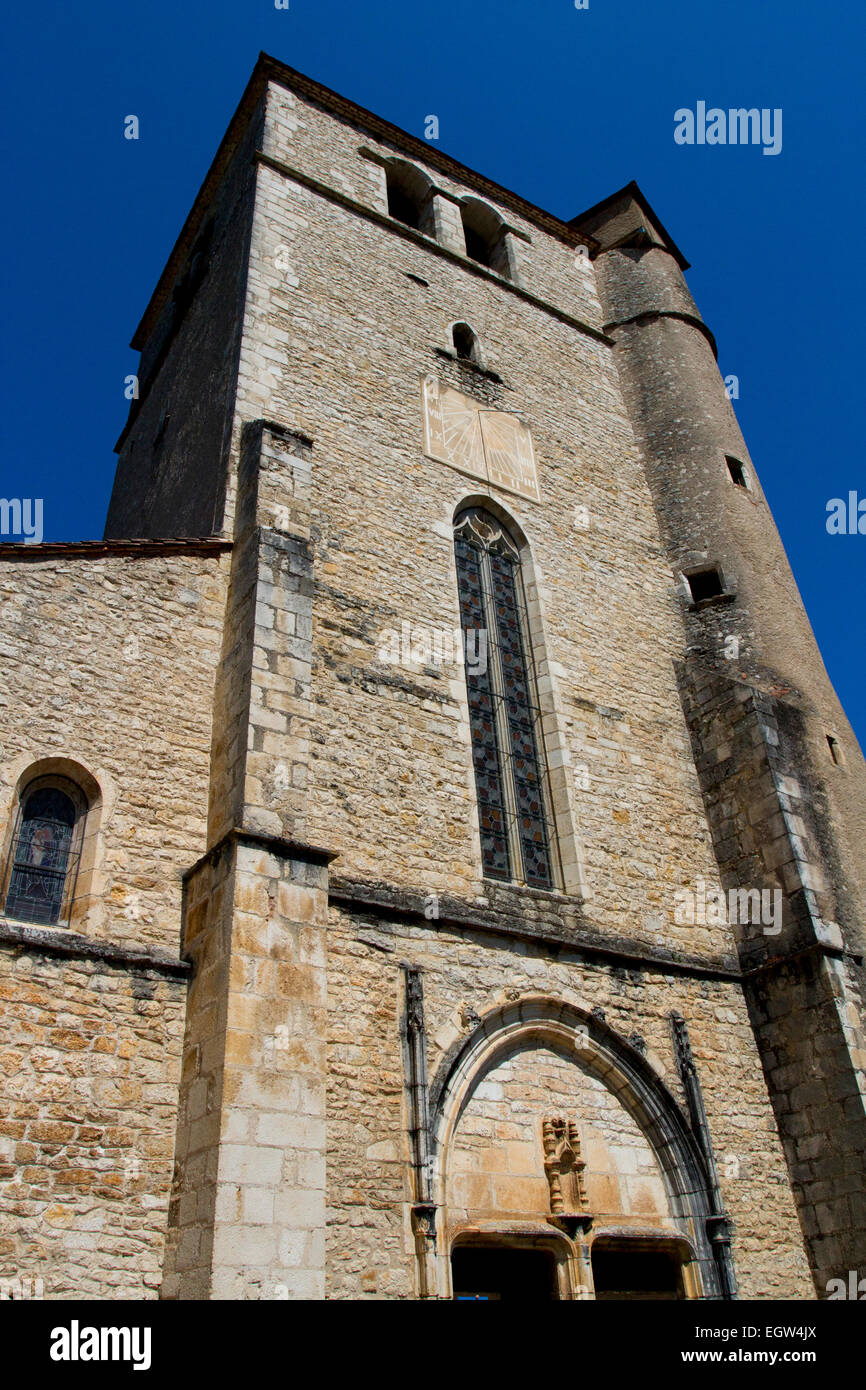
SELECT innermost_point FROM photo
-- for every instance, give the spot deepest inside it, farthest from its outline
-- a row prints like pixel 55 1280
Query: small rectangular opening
pixel 705 584
pixel 835 751
pixel 737 471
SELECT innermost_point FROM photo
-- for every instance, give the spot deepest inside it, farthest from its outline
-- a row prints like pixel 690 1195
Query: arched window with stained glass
pixel 515 808
pixel 46 847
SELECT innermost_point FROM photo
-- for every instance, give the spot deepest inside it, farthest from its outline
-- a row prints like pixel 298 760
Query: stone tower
pixel 781 771
pixel 457 910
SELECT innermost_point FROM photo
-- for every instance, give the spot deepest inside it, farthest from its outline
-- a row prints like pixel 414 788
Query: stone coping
pixel 97 550
pixel 57 941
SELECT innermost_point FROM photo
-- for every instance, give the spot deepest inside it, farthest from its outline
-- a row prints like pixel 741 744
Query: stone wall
pixel 109 659
pixel 173 450
pixel 339 357
pixel 465 975
pixel 90 1061
pixel 334 152
pixel 802 988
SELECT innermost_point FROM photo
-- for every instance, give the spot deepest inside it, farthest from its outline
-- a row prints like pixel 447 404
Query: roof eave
pixel 632 190
pixel 268 69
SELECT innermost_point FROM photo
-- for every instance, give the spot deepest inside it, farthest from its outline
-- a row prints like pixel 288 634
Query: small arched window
pixel 486 237
pixel 515 807
pixel 45 850
pixel 465 343
pixel 410 196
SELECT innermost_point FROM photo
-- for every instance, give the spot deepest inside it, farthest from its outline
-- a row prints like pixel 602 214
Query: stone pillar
pixel 772 842
pixel 447 222
pixel 248 1209
pixel 262 702
pixel 270 1184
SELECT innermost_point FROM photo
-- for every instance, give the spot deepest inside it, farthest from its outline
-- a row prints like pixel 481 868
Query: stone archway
pixel 545 1121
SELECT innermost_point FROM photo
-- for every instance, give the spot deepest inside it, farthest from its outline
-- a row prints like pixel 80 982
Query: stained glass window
pixel 518 843
pixel 43 855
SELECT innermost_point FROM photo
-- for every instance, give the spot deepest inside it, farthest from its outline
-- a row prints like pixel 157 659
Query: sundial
pixel 461 433
pixel 488 444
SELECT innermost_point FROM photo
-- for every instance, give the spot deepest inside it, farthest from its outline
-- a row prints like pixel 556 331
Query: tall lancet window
pixel 518 840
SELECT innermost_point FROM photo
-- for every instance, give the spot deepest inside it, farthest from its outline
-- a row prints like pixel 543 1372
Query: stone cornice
pixel 271 844
pixel 653 315
pixel 546 919
pixel 59 942
pixel 552 920
pixel 132 549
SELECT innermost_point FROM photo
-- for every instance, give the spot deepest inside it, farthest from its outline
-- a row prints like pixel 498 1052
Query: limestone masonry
pixel 432 846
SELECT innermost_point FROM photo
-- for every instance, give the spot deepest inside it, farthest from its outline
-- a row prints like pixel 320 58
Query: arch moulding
pixel 539 1020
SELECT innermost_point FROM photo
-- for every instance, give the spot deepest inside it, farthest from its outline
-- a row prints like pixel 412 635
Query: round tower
pixel 743 614
pixel 783 777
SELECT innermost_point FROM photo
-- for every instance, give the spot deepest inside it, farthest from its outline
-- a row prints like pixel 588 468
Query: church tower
pixel 489 820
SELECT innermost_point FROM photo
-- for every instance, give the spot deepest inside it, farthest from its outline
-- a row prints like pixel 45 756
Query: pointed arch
pixel 543 1020
pixel 548 733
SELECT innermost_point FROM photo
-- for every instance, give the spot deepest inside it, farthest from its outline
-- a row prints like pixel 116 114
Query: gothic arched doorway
pixel 549 1127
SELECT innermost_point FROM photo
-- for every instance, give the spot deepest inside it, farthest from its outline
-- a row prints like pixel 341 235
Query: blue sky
pixel 562 105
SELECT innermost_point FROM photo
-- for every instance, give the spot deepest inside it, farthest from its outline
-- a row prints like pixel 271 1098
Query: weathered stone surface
pixel 91 1061
pixel 373 1034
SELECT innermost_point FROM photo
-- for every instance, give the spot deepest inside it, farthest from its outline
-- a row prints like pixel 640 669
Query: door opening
pixel 621 1272
pixel 497 1273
